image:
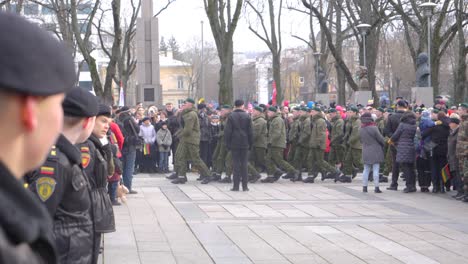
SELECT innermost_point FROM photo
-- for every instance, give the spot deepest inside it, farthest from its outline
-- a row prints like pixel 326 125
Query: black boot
pixel 172 176
pixel 226 179
pixel 297 176
pixel 355 172
pixel 377 190
pixel 364 189
pixel 383 178
pixel 180 180
pixel 393 187
pixel 278 173
pixel 344 179
pixel 269 179
pixel 255 178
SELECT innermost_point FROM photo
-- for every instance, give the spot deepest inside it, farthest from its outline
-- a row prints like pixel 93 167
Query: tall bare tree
pixel 271 37
pixel 461 83
pixel 223 23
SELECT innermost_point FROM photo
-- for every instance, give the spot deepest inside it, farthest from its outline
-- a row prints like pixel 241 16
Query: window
pixel 148 94
pixel 180 82
pixel 84 9
pixel 180 103
pixel 31 9
pixel 46 11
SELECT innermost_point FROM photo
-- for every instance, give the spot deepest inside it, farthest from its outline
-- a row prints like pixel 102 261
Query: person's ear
pixel 29 113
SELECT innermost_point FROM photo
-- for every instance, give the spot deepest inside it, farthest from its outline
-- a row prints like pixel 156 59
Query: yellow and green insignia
pixel 85 157
pixel 45 187
pixel 47 170
pixel 53 151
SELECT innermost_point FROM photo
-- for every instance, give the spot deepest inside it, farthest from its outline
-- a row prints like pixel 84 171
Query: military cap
pixel 455 120
pixel 381 109
pixel 332 110
pixel 353 109
pixel 226 106
pixel 104 110
pixel 297 108
pixel 273 109
pixel 390 110
pixel 190 100
pixel 79 102
pixel 32 61
pixel 435 111
pixel 464 105
pixel 259 109
pixel 316 108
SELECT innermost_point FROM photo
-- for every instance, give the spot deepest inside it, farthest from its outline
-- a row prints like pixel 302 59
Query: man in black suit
pixel 238 136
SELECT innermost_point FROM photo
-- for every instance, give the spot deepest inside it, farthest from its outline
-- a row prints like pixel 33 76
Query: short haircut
pixel 441 115
pixel 239 102
pixel 71 121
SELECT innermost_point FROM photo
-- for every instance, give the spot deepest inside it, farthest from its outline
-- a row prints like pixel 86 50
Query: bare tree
pixel 271 37
pixel 223 23
pixel 461 83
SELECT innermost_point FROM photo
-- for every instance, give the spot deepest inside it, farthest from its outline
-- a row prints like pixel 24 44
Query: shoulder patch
pixel 45 187
pixel 85 157
pixel 45 170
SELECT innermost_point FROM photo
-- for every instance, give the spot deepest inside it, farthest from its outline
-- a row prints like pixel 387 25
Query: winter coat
pixel 404 138
pixel 148 134
pixel 130 131
pixel 190 130
pixel 318 135
pixel 260 132
pixel 204 126
pixel 238 133
pixel 452 147
pixel 293 134
pixel 372 145
pixel 25 225
pixel 424 124
pixel 214 132
pixel 393 122
pixel 306 130
pixel 277 132
pixel 354 124
pixel 439 135
pixel 164 140
pixel 380 122
pixel 337 134
pixel 95 158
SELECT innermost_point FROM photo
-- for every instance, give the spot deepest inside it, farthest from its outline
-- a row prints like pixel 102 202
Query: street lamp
pixel 427 9
pixel 317 58
pixel 364 28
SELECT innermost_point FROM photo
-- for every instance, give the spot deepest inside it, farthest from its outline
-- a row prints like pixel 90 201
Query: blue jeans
pixel 112 190
pixel 128 161
pixel 365 175
pixel 163 160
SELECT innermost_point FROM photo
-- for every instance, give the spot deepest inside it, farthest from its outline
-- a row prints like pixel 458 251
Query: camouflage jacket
pixel 318 135
pixel 260 132
pixel 277 132
pixel 462 139
pixel 337 133
pixel 293 135
pixel 304 136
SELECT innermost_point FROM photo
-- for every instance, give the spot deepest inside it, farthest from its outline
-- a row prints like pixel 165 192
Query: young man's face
pixel 462 111
pixel 101 126
pixel 88 127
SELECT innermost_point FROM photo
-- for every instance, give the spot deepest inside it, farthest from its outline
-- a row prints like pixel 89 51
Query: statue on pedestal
pixel 422 70
pixel 322 82
pixel 363 81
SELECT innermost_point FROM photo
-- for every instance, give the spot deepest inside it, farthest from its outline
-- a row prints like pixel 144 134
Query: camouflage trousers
pixel 353 159
pixel 292 151
pixel 257 158
pixel 300 157
pixel 219 157
pixel 464 172
pixel 317 163
pixel 275 159
pixel 189 152
pixel 388 165
pixel 228 165
pixel 336 155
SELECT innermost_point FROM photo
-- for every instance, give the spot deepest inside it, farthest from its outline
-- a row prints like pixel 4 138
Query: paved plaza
pixel 285 222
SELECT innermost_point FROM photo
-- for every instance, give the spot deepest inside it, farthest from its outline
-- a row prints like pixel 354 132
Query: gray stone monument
pixel 422 94
pixel 149 88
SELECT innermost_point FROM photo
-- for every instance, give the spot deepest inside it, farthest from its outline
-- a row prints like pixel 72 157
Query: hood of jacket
pixel 408 118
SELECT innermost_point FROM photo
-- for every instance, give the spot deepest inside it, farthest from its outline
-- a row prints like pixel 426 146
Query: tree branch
pixel 169 2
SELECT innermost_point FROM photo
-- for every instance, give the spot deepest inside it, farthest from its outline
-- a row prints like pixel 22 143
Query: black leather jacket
pixel 25 226
pixel 96 171
pixel 68 201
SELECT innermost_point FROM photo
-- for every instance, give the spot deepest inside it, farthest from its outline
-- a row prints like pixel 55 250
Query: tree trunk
pixel 225 75
pixel 277 78
pixel 460 83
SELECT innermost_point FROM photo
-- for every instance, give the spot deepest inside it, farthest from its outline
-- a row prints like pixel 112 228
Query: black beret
pixel 259 109
pixel 381 109
pixel 455 120
pixel 316 108
pixel 401 103
pixel 332 110
pixel 353 109
pixel 226 106
pixel 273 109
pixel 189 100
pixel 104 110
pixel 32 61
pixel 79 102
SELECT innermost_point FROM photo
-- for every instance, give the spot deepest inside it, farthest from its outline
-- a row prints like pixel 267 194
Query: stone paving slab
pixel 284 222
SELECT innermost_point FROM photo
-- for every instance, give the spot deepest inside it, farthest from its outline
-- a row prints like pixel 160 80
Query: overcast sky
pixel 183 20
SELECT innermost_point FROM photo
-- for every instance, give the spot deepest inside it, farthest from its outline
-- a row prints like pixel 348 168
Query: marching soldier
pixel 337 148
pixel 189 144
pixel 293 134
pixel 302 150
pixel 276 146
pixel 61 185
pixel 352 163
pixel 260 137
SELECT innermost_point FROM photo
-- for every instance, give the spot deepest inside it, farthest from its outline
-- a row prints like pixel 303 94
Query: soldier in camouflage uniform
pixel 189 144
pixel 462 147
pixel 337 148
pixel 260 137
pixel 387 150
pixel 294 131
pixel 276 146
pixel 353 162
pixel 302 149
pixel 220 154
pixel 317 144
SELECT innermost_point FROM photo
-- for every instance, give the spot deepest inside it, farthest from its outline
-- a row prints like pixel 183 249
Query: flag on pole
pixel 446 173
pixel 273 97
pixel 121 95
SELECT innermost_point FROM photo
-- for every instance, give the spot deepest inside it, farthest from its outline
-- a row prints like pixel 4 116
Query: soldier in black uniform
pixel 96 157
pixel 35 72
pixel 61 185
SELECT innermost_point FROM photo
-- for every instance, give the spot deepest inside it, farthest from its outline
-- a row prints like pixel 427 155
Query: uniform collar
pixel 67 148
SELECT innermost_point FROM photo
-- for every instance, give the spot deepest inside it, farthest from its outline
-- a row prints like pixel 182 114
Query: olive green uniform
pixel 221 152
pixel 337 148
pixel 462 152
pixel 260 142
pixel 300 157
pixel 317 143
pixel 276 146
pixel 293 137
pixel 353 158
